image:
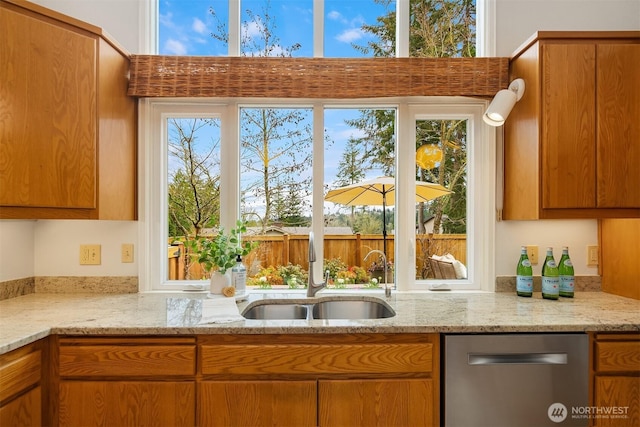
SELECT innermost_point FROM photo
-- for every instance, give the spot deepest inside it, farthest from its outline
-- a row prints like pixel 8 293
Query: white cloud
pixel 174 47
pixel 350 35
pixel 252 29
pixel 198 26
pixel 334 15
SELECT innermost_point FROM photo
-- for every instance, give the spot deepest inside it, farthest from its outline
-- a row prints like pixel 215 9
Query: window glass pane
pixel 442 28
pixel 193 190
pixel 441 219
pixel 359 148
pixel 277 28
pixel 187 27
pixel 275 186
pixel 362 28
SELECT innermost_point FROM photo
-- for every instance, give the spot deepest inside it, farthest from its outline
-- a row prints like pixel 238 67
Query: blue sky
pixel 185 28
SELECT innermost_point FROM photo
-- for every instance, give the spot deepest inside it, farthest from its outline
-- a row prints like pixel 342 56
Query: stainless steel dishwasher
pixel 515 380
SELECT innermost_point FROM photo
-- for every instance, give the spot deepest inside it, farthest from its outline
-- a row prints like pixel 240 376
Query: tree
pixel 275 142
pixel 275 151
pixel 193 189
pixel 438 28
pixel 194 193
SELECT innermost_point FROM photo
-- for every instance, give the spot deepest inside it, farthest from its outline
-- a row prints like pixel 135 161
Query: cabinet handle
pixel 518 358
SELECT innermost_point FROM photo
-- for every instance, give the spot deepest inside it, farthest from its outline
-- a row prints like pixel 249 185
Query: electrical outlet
pixel 532 253
pixel 592 256
pixel 90 255
pixel 127 252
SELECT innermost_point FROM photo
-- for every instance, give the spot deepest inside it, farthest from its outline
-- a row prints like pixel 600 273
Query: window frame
pixel 480 199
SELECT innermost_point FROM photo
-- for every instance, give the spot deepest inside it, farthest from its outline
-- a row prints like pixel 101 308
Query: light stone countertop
pixel 28 318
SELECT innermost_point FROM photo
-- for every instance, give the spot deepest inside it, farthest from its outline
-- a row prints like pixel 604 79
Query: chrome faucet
pixel 314 287
pixel 387 288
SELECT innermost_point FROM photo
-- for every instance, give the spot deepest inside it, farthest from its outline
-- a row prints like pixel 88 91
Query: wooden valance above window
pixel 327 78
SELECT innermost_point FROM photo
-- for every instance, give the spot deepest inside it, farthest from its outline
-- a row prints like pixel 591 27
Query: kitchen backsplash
pixel 129 285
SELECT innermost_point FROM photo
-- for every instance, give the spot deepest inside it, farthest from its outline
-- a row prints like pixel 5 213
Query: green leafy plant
pixel 222 250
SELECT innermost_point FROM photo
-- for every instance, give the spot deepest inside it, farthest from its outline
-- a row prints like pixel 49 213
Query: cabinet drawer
pixel 621 356
pixel 269 359
pixel 134 360
pixel 19 372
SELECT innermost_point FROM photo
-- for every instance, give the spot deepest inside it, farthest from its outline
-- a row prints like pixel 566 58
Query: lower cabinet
pixel 376 402
pixel 133 403
pixel 21 386
pixel 248 380
pixel 616 380
pixel 323 380
pixel 257 403
pixel 117 381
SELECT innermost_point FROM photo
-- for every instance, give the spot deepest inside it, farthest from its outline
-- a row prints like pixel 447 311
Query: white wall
pixel 119 18
pixel 16 249
pixel 30 248
pixel 57 247
pixel 517 20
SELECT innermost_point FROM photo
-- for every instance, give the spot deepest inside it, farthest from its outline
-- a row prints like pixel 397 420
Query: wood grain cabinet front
pixel 616 380
pixel 126 381
pixel 325 380
pixel 67 126
pixel 21 387
pixel 570 145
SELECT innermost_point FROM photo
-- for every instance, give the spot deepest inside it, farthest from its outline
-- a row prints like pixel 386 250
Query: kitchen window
pixel 228 172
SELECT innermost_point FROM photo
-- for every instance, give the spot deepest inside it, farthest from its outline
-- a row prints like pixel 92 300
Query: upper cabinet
pixel 67 126
pixel 572 143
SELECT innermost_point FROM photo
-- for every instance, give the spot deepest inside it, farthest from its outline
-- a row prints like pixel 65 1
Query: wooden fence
pixel 274 250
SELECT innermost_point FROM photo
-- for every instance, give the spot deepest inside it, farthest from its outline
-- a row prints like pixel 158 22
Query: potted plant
pixel 220 253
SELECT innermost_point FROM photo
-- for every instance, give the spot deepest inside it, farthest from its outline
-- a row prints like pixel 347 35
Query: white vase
pixel 218 282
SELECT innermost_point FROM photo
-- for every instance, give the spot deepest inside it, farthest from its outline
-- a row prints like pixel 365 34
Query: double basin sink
pixel 353 308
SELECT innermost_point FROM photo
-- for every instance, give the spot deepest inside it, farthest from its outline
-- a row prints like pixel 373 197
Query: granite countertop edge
pixel 28 318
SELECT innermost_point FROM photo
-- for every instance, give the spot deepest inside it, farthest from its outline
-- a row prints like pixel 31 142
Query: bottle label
pixel 551 263
pixel 550 285
pixel 524 284
pixel 240 281
pixel 526 263
pixel 568 262
pixel 566 283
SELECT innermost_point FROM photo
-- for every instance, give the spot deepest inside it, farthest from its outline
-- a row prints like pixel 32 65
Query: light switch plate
pixel 592 255
pixel 127 252
pixel 90 254
pixel 532 253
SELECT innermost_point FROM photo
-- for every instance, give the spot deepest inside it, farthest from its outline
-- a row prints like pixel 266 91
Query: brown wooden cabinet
pixel 22 385
pixel 616 380
pixel 570 148
pixel 326 380
pixel 67 127
pixel 126 381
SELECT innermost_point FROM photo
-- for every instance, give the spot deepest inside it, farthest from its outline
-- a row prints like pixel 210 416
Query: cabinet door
pixel 376 402
pixel 618 125
pixel 617 397
pixel 568 126
pixel 130 403
pixel 257 403
pixel 24 410
pixel 48 114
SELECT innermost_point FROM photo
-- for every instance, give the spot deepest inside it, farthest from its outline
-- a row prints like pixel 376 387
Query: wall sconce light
pixel 503 103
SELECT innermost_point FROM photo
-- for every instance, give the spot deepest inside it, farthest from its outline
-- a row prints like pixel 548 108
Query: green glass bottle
pixel 550 277
pixel 524 275
pixel 565 268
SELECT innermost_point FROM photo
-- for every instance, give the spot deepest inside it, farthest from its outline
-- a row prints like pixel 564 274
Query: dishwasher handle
pixel 518 359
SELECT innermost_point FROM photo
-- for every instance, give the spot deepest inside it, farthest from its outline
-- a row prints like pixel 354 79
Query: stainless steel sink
pixel 352 309
pixel 344 308
pixel 276 311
